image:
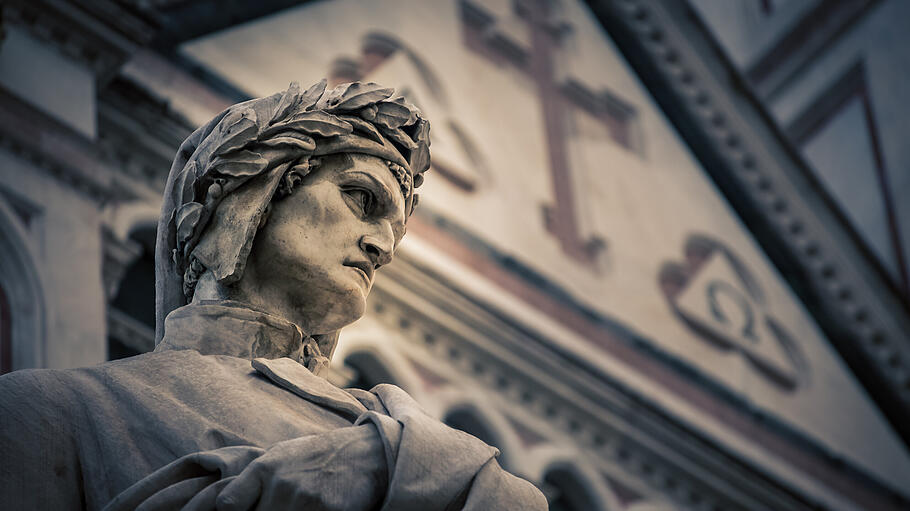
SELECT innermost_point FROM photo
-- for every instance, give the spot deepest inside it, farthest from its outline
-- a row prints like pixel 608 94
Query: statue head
pixel 290 203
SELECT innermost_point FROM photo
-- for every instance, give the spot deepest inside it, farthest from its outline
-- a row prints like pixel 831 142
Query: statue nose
pixel 377 250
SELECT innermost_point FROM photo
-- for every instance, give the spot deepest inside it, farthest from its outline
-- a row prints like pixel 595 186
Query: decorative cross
pixel 537 61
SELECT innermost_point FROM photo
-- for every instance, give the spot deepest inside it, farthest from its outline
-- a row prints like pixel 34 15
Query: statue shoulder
pixel 28 387
pixel 37 441
pixel 45 390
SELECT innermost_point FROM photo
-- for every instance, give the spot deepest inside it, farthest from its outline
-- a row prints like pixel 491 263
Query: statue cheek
pixel 339 215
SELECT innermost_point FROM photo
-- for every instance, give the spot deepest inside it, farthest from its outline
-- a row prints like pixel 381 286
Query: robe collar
pixel 233 329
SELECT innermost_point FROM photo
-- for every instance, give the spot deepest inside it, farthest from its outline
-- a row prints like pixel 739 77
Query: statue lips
pixel 365 269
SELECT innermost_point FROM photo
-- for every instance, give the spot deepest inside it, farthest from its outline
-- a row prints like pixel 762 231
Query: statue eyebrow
pixel 385 195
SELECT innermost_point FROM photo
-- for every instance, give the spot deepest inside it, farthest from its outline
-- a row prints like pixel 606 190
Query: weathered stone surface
pixel 276 216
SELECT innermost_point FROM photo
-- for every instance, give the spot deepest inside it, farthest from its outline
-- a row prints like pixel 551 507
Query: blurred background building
pixel 660 259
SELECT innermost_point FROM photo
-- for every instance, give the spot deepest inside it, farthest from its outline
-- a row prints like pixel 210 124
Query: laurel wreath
pixel 236 149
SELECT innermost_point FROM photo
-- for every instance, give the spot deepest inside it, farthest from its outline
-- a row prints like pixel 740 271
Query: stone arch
pixel 131 299
pixel 23 290
pixel 486 424
pixel 369 370
pixel 122 224
pixel 129 275
pixel 561 470
pixel 124 219
pixel 566 492
pixel 570 485
pixel 367 345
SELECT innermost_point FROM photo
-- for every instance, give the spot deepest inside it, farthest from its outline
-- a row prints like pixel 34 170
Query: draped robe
pixel 223 414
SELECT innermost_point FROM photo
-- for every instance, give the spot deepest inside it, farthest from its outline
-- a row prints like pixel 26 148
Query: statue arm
pixel 435 467
pixel 494 488
pixel 339 469
pixel 398 460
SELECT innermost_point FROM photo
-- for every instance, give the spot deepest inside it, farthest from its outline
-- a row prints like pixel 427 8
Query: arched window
pixel 131 313
pixel 367 371
pixel 6 334
pixel 468 420
pixel 22 306
pixel 566 492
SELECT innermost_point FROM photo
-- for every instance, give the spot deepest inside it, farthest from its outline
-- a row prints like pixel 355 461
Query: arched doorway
pixel 368 371
pixel 566 491
pixel 471 421
pixel 22 306
pixel 6 334
pixel 131 311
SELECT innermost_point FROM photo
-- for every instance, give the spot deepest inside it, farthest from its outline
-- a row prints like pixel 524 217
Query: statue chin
pixel 317 308
pixel 346 309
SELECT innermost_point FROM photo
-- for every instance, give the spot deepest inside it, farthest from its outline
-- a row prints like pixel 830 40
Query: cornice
pixel 64 154
pixel 771 188
pixel 139 132
pixel 98 33
pixel 810 35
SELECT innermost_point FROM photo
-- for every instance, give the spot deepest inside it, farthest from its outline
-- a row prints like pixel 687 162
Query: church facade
pixel 621 273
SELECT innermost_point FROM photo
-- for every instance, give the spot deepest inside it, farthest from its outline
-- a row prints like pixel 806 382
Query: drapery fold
pixel 394 454
pixel 195 425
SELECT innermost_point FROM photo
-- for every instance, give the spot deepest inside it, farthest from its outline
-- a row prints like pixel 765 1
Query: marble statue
pixel 276 216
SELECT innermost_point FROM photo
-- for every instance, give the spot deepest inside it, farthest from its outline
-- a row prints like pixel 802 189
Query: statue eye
pixel 364 199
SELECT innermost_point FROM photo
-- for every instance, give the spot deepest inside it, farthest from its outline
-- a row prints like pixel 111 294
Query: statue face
pixel 314 260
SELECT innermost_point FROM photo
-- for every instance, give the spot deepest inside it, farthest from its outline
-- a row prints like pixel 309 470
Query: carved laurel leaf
pixel 292 139
pixel 363 127
pixel 186 219
pixel 289 100
pixel 312 95
pixel 240 164
pixel 420 159
pixel 398 136
pixel 395 113
pixel 292 142
pixel 236 132
pixel 358 95
pixel 329 99
pixel 415 112
pixel 315 122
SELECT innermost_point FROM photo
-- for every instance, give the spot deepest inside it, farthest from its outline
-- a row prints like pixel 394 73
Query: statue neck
pixel 208 290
